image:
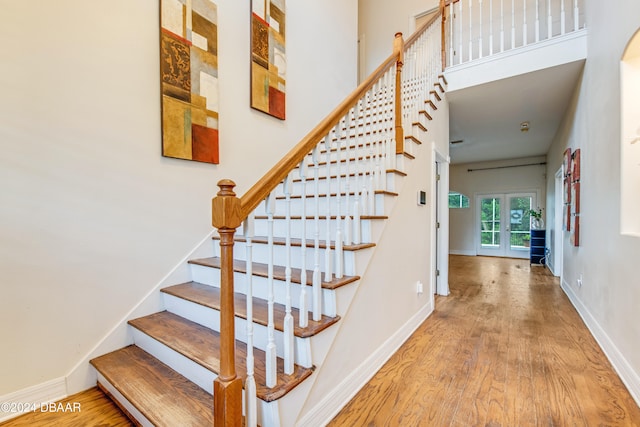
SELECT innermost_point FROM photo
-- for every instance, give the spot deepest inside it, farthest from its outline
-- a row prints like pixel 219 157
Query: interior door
pixel 503 224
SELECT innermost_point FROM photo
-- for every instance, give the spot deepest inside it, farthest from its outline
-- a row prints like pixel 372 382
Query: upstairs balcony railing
pixel 474 29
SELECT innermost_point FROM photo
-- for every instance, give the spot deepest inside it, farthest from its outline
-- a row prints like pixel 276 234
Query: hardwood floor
pixel 506 348
pixel 91 408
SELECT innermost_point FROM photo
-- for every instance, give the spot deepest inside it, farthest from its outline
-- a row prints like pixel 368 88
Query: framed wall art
pixel 268 57
pixel 189 79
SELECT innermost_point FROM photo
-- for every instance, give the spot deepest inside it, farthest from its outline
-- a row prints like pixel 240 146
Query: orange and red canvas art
pixel 189 79
pixel 268 59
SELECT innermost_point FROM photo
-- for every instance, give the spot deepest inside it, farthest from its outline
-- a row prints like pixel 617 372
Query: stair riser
pixel 260 254
pixel 197 374
pixel 332 202
pixel 210 318
pixel 279 226
pixel 115 394
pixel 360 183
pixel 211 276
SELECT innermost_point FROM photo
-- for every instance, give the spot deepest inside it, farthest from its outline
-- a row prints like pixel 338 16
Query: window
pixel 458 200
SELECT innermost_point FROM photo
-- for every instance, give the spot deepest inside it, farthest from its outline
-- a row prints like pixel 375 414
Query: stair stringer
pixel 386 308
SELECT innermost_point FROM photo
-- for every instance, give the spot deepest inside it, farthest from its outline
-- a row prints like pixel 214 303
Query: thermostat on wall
pixel 422 198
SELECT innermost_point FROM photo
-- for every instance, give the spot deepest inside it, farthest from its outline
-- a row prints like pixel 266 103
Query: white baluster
pixel 549 20
pixel 338 271
pixel 328 266
pixel 367 134
pixel 480 27
pixel 501 25
pixel 288 318
pixel 470 30
pixel 304 304
pixel 576 16
pixel 513 24
pixel 451 50
pixel 525 35
pixel 251 410
pixel 460 55
pixel 490 27
pixel 317 282
pixel 562 18
pixel 347 218
pixel 270 353
pixel 358 163
pixel 537 21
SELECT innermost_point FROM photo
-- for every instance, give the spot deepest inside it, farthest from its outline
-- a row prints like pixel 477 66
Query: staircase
pixel 298 256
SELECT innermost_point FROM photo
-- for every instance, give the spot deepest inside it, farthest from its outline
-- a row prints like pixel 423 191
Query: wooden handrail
pixel 265 185
pixel 229 211
pixel 273 177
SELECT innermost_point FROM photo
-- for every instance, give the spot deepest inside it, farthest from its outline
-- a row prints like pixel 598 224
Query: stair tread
pixel 321 217
pixel 309 243
pixel 162 395
pixel 202 345
pixel 209 296
pixel 308 180
pixel 260 269
pixel 351 193
pixel 413 138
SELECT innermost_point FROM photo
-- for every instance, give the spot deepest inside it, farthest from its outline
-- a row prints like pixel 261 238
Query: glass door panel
pixel 519 226
pixel 490 225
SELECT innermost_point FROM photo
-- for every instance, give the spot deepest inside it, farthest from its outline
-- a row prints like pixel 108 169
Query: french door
pixel 503 224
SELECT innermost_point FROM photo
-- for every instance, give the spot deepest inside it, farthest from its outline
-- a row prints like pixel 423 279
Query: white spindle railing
pixel 469 37
pixel 359 150
pixel 250 382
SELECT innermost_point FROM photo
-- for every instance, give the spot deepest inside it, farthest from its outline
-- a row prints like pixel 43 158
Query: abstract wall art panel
pixel 189 79
pixel 268 59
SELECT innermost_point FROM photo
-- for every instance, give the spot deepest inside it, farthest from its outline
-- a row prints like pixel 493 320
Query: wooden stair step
pixel 439 86
pixel 413 138
pixel 209 296
pixel 431 104
pixel 321 217
pixel 443 78
pixel 393 171
pixel 435 94
pixel 202 346
pixel 309 243
pixel 261 270
pixel 343 194
pixel 420 126
pixel 162 395
pixel 426 114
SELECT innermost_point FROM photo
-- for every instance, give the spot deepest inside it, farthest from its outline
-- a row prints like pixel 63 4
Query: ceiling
pixel 487 117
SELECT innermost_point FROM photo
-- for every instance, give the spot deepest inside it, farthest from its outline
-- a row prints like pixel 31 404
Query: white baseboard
pixel 23 401
pixel 629 377
pixel 82 376
pixel 463 252
pixel 327 408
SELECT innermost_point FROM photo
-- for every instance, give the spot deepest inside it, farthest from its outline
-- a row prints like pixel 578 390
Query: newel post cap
pixel 225 207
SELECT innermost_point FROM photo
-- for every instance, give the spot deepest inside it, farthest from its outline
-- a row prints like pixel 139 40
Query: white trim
pixel 335 400
pixel 625 371
pixel 462 252
pixel 82 376
pixel 440 161
pixel 49 391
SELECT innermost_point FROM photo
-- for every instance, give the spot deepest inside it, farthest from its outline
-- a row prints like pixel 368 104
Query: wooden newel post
pixel 227 388
pixel 398 50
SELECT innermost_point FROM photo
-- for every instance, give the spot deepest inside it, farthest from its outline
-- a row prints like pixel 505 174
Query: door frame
pixel 504 249
pixel 440 212
pixel 558 232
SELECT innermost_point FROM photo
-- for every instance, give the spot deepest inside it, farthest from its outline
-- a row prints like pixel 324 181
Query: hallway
pixel 506 348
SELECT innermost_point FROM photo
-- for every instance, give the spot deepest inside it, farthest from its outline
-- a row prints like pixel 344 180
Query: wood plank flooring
pixel 96 409
pixel 506 348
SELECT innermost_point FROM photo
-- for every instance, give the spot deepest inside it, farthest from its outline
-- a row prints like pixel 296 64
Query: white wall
pixel 379 20
pixel 386 307
pixel 92 217
pixel 608 261
pixel 520 179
